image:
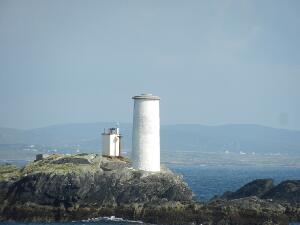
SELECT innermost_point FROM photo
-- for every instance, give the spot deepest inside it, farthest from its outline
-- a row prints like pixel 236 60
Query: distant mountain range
pixel 185 137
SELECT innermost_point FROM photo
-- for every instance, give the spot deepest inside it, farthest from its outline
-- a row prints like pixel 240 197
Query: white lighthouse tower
pixel 146 133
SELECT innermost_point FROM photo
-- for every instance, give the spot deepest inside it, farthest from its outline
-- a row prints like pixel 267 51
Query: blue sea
pixel 206 182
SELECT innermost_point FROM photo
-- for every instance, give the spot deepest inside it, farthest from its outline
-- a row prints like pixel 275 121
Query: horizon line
pixel 163 124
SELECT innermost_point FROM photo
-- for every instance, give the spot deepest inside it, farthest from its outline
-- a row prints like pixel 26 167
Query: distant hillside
pixel 233 138
pixel 87 137
pixel 11 136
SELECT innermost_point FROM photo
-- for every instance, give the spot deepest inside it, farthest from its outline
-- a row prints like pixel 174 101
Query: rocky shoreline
pixel 78 187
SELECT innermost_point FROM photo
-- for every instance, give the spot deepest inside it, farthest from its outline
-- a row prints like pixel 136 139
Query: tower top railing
pixel 113 130
pixel 146 96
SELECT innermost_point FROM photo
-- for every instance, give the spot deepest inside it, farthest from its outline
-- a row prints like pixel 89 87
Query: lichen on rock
pixel 85 180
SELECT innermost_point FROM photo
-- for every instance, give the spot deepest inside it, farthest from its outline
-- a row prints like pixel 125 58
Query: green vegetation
pixel 58 164
pixel 50 168
pixel 61 164
pixel 8 172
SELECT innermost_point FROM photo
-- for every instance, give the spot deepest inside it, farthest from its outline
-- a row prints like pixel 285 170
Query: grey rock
pixel 98 181
pixel 286 191
pixel 256 188
pixel 68 188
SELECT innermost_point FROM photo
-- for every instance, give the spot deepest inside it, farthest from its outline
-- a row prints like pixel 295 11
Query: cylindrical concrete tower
pixel 146 133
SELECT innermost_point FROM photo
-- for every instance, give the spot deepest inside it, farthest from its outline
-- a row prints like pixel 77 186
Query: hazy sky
pixel 212 62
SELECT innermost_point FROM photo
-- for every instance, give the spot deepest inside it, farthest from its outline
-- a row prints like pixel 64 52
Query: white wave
pixel 111 218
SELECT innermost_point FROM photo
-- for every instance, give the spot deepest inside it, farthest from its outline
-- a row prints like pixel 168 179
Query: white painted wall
pixel 110 145
pixel 146 133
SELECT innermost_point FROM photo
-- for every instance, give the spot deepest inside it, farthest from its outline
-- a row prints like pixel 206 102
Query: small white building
pixel 39 157
pixel 111 142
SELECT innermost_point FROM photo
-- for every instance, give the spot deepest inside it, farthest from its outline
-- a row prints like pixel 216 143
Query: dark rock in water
pixel 251 210
pixel 286 191
pixel 287 194
pixel 68 188
pixel 248 211
pixel 257 188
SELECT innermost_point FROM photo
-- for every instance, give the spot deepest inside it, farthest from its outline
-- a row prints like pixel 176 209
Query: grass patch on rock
pixel 9 171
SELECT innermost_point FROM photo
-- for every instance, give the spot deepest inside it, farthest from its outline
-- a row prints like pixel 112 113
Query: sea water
pixel 208 181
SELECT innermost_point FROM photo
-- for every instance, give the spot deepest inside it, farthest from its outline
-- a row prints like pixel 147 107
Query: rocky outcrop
pixel 256 188
pixel 286 191
pixel 60 180
pixel 68 188
pixel 287 194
